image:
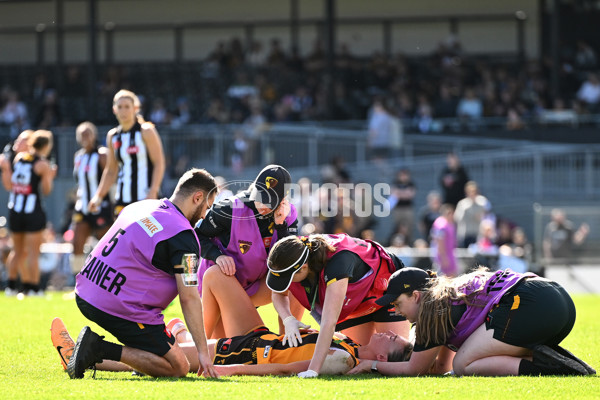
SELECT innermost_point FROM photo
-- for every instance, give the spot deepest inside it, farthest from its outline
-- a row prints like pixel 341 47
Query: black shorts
pixel 21 222
pixel 96 221
pixel 382 315
pixel 151 338
pixel 534 312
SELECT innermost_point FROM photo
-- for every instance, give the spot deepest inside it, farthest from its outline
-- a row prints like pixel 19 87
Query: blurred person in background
pixel 33 176
pixel 453 179
pixel 443 241
pixel 469 213
pixel 89 163
pixel 402 203
pixel 429 213
pixel 561 237
pixel 135 157
pixel 7 159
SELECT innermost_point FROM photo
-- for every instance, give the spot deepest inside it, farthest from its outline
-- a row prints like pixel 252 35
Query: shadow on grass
pixel 125 377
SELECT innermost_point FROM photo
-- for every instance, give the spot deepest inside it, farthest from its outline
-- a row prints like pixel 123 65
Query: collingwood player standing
pixel 32 177
pixel 89 163
pixel 135 157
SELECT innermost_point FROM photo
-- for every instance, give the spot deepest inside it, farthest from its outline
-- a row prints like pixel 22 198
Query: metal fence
pixel 513 174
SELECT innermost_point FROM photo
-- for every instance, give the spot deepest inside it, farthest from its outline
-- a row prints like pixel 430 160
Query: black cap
pixel 404 280
pixel 270 185
pixel 280 280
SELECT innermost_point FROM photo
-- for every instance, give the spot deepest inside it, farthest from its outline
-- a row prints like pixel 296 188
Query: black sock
pixel 12 284
pixel 526 367
pixel 26 287
pixel 110 351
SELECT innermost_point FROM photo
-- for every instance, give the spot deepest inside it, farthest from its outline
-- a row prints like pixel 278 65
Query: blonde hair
pixel 127 94
pixel 137 104
pixel 434 321
pixel 84 126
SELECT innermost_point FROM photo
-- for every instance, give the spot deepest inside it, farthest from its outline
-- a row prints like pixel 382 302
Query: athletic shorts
pixel 261 346
pixel 381 315
pixel 534 312
pixel 155 339
pixel 21 222
pixel 96 221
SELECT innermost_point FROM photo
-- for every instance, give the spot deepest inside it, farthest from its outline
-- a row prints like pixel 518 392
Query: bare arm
pixel 47 173
pixel 6 172
pixel 157 156
pixel 281 302
pixel 109 175
pixel 420 363
pixel 334 300
pixel 263 369
pixel 191 306
pixel 102 157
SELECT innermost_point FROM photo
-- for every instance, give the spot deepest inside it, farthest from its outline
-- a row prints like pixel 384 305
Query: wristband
pixel 278 227
pixel 374 367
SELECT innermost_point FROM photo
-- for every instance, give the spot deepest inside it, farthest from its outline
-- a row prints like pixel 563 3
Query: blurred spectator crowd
pixel 448 89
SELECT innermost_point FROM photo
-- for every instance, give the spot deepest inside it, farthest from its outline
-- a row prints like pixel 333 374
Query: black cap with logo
pixel 404 280
pixel 270 186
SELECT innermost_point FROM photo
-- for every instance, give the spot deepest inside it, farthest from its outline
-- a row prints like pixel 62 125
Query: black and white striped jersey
pixel 135 167
pixel 25 194
pixel 87 172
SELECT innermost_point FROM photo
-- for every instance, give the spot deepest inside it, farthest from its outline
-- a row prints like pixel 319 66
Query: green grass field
pixel 30 368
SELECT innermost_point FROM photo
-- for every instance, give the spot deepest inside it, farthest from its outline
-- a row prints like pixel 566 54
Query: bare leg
pixel 12 269
pixel 17 262
pixel 191 352
pixel 115 366
pixel 223 297
pixel 33 241
pixel 174 363
pixel 481 354
pixel 81 232
pixel 262 296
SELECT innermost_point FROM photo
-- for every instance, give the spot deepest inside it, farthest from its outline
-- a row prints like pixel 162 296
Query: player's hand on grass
pixel 292 331
pixel 362 367
pixel 226 265
pixel 207 369
pixel 308 374
pixel 227 370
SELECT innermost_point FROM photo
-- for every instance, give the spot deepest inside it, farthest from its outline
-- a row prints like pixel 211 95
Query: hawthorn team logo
pixel 271 182
pixel 244 246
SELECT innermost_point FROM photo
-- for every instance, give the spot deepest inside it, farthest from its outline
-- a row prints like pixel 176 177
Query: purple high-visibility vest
pixel 360 295
pixel 118 276
pixel 246 246
pixel 482 302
